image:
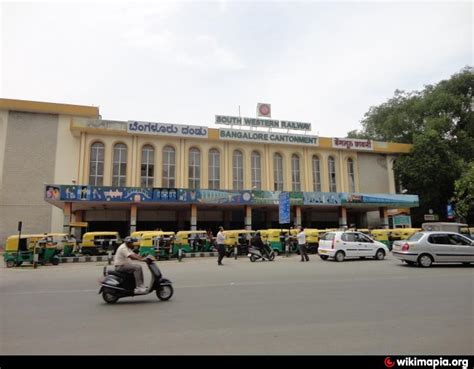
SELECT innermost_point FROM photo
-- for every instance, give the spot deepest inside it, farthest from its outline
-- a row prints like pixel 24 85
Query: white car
pixel 340 245
pixel 426 248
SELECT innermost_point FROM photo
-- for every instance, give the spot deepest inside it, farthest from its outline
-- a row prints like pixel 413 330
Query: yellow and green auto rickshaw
pixel 240 238
pixel 192 241
pixel 276 238
pixel 383 235
pixel 138 236
pixel 99 243
pixel 157 243
pixel 65 243
pixel 20 250
pixel 403 233
pixel 312 239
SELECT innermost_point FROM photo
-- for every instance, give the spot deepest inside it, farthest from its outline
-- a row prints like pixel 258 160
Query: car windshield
pixel 415 237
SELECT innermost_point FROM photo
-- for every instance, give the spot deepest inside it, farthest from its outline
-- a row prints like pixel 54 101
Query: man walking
pixel 302 244
pixel 220 245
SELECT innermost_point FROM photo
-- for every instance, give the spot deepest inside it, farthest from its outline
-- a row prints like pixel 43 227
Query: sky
pixel 184 62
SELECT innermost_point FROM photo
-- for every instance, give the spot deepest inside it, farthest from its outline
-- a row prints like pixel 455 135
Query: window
pixel 439 239
pixel 169 167
pixel 194 172
pixel 360 237
pixel 96 164
pixel 295 173
pixel 278 172
pixel 147 169
pixel 119 170
pixel 332 174
pixel 214 169
pixel 459 240
pixel 350 175
pixel 256 169
pixel 238 170
pixel 349 237
pixel 316 174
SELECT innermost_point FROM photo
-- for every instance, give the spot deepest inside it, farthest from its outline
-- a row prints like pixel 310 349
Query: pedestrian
pixel 302 244
pixel 220 245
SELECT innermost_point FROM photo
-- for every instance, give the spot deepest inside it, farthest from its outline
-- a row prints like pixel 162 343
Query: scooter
pixel 116 285
pixel 255 254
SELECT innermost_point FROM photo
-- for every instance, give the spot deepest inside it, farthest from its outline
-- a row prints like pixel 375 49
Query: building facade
pixel 61 164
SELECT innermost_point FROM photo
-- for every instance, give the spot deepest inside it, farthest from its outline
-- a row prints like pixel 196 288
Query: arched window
pixel 214 169
pixel 194 173
pixel 350 175
pixel 295 173
pixel 119 170
pixel 237 170
pixel 332 174
pixel 256 169
pixel 169 167
pixel 316 174
pixel 147 169
pixel 278 172
pixel 96 164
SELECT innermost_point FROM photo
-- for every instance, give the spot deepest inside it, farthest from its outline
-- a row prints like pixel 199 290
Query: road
pixel 280 307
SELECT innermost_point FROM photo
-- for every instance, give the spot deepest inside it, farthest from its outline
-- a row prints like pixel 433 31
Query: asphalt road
pixel 280 307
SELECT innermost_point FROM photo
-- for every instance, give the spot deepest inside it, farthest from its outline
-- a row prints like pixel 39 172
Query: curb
pixel 85 259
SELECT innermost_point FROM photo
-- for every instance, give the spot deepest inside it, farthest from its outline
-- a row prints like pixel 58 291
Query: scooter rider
pixel 122 261
pixel 258 244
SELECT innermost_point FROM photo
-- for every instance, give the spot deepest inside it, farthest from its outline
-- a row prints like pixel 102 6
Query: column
pixel 78 217
pixel 248 217
pixel 383 213
pixel 226 217
pixel 67 212
pixel 298 216
pixel 133 218
pixel 391 175
pixel 342 217
pixel 193 217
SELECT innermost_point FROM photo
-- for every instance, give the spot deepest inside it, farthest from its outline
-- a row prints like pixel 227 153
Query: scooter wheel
pixel 109 298
pixel 164 293
pixel 272 257
pixel 253 258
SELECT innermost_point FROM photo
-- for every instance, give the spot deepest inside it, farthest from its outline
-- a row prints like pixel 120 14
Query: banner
pixel 352 144
pixel 284 208
pixel 267 137
pixel 167 129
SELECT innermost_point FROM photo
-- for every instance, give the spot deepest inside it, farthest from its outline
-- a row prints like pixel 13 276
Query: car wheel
pixel 339 256
pixel 380 254
pixel 324 257
pixel 425 261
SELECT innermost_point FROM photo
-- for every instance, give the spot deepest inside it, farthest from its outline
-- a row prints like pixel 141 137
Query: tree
pixel 464 193
pixel 439 122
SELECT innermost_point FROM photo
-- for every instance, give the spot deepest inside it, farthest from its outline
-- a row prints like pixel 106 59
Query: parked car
pixel 426 248
pixel 340 245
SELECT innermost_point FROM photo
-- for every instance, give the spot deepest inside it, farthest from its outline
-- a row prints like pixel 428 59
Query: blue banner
pixel 284 208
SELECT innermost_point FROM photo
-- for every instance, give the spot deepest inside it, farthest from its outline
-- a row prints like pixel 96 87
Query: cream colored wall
pixel 3 137
pixel 364 163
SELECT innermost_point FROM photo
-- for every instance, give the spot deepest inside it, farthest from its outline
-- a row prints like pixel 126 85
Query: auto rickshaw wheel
pixel 277 252
pixel 55 261
pixel 10 263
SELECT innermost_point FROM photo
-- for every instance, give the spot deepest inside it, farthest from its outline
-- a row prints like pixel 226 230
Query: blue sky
pixel 184 62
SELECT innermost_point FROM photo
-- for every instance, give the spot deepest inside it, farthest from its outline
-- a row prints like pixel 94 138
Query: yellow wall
pixel 49 108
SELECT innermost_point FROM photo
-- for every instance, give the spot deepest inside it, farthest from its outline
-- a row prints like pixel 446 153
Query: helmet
pixel 130 240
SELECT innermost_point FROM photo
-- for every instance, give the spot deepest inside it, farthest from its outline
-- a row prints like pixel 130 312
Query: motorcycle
pixel 256 254
pixel 116 285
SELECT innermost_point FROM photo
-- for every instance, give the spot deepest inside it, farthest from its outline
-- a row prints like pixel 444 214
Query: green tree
pixel 464 193
pixel 439 122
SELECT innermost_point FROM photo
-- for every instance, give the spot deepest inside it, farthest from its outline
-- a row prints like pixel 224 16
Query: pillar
pixel 383 213
pixel 133 218
pixel 78 217
pixel 342 217
pixel 248 217
pixel 226 219
pixel 193 217
pixel 67 213
pixel 298 216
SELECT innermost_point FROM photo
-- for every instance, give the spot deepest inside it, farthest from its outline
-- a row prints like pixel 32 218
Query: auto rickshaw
pixel 157 243
pixel 240 238
pixel 312 239
pixel 403 233
pixel 65 243
pixel 383 235
pixel 276 237
pixel 18 251
pixel 138 236
pixel 98 243
pixel 468 232
pixel 192 241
